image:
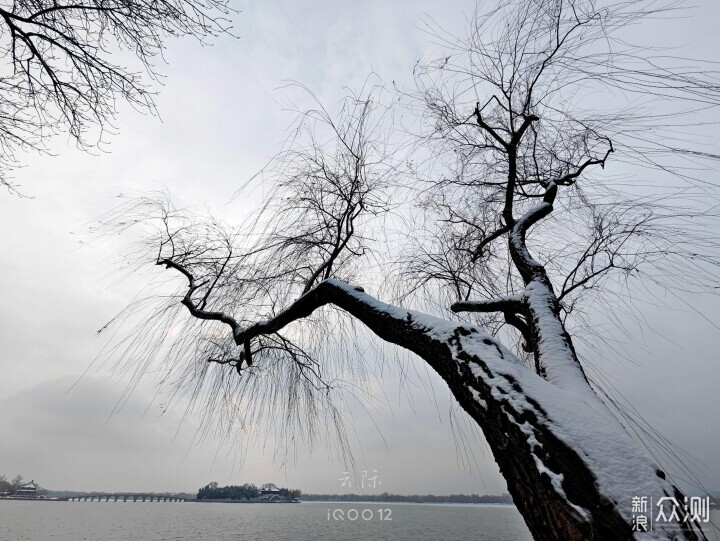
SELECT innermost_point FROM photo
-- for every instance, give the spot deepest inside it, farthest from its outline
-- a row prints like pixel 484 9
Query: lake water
pixel 111 521
pixel 308 521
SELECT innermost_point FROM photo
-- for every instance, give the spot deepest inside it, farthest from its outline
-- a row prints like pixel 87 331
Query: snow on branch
pixel 511 303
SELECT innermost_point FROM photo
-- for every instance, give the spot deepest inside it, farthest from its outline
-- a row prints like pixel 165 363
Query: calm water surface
pixel 111 521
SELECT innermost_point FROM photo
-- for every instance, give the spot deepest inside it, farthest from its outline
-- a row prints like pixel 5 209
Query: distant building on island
pixel 30 490
pixel 270 495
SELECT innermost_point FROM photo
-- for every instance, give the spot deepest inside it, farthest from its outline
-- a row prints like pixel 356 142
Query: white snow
pixel 479 399
pixel 516 298
pixel 622 467
pixel 519 225
pixel 560 365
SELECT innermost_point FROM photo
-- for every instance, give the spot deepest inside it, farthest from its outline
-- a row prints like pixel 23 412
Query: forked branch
pixel 195 311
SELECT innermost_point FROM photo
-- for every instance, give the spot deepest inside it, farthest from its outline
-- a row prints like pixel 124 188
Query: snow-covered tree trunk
pixel 570 466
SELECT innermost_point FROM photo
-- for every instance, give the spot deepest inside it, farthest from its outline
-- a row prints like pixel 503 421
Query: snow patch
pixel 478 398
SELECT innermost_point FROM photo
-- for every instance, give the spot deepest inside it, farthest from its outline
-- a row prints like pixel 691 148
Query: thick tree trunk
pixel 570 466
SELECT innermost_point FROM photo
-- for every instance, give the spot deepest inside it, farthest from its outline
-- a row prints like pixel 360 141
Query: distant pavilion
pixel 29 490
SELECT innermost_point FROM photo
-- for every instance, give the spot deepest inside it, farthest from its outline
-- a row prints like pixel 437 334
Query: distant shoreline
pixel 17 499
pixel 494 499
pixel 208 500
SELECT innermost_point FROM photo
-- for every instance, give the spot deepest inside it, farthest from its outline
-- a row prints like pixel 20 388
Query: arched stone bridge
pixel 125 497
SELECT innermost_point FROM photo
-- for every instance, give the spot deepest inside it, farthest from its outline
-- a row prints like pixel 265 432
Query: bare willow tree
pixel 520 226
pixel 65 64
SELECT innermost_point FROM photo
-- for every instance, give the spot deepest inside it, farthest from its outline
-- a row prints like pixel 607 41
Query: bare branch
pixel 192 307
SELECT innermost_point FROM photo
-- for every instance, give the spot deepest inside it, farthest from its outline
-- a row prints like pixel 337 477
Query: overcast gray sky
pixel 221 121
